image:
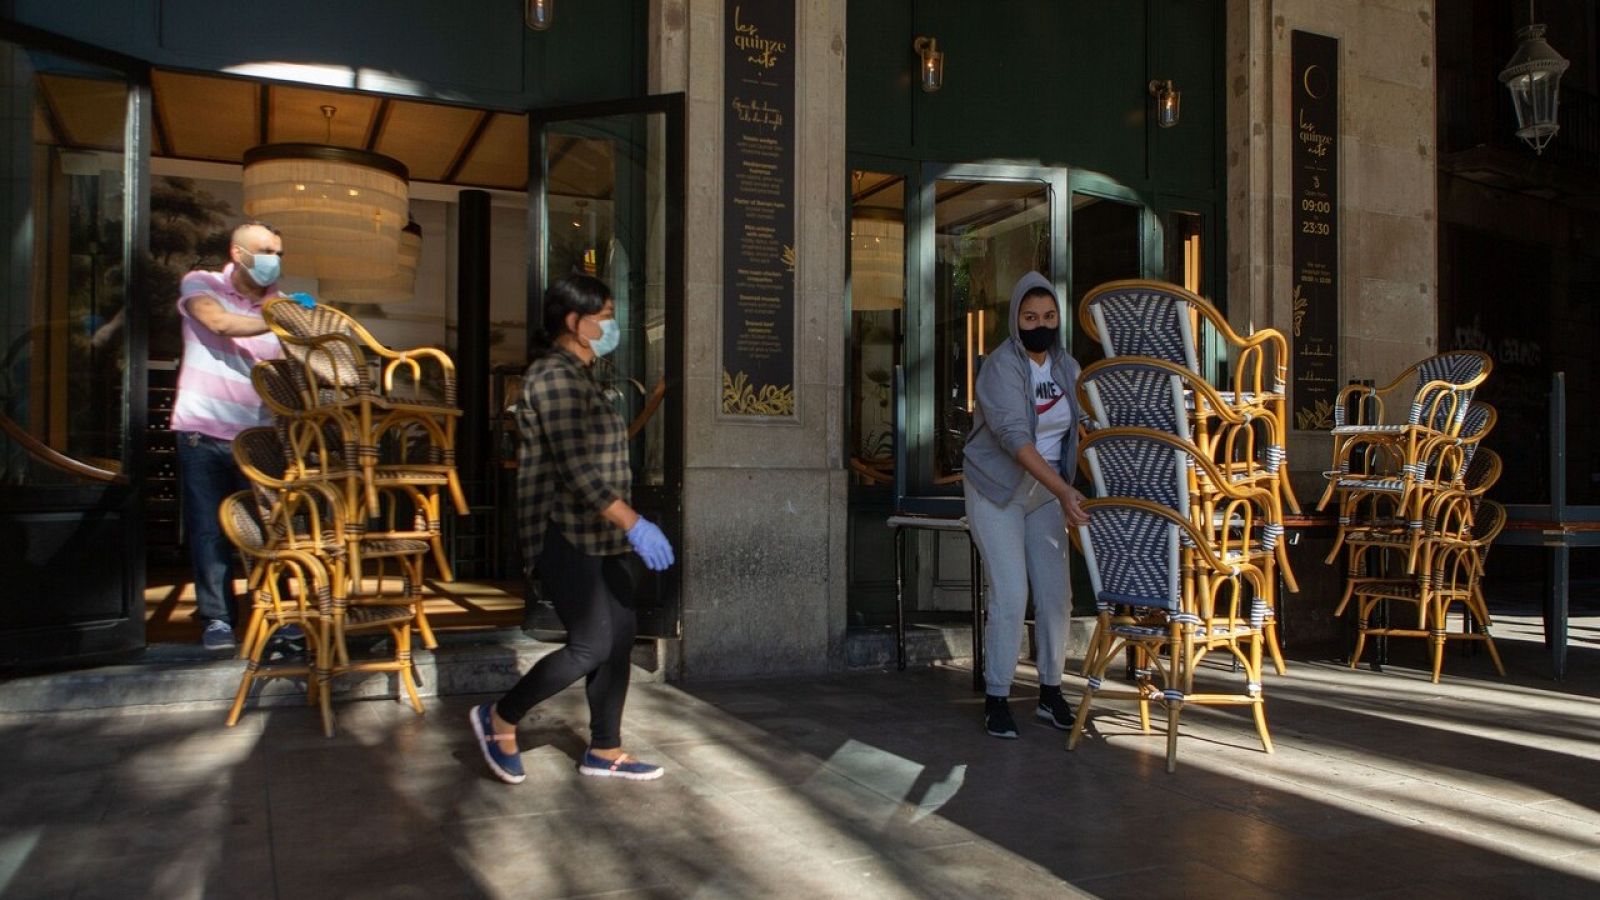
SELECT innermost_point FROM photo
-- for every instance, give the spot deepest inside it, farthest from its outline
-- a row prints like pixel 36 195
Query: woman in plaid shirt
pixel 573 484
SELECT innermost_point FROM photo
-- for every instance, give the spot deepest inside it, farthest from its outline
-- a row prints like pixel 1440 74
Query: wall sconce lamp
pixel 538 14
pixel 1534 78
pixel 932 63
pixel 1167 101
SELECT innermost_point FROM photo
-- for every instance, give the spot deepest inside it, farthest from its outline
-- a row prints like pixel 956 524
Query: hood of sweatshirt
pixel 1027 283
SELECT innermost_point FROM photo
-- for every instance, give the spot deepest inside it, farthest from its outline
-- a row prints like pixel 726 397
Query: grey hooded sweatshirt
pixel 1004 417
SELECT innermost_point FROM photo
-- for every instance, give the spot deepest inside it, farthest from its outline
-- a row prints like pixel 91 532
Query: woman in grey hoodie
pixel 1019 463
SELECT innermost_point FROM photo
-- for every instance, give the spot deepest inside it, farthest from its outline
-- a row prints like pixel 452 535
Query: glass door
pixel 71 311
pixel 606 198
pixel 980 228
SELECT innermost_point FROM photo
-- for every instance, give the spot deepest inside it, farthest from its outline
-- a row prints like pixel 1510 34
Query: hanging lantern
pixel 1534 78
pixel 401 287
pixel 341 210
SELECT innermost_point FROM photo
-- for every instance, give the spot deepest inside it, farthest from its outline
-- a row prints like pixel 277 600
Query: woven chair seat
pixel 1392 588
pixel 1370 429
pixel 363 615
pixel 400 473
pixel 1385 485
pixel 392 547
pixel 1249 398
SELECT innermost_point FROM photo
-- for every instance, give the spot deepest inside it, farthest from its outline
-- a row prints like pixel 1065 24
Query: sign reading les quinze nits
pixel 1315 254
pixel 758 258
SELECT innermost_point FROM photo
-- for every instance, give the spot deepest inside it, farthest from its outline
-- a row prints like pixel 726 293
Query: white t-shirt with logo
pixel 1054 409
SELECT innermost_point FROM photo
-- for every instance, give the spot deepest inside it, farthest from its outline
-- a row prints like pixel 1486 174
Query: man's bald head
pixel 251 234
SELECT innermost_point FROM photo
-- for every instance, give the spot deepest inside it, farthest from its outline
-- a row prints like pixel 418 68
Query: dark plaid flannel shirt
pixel 572 461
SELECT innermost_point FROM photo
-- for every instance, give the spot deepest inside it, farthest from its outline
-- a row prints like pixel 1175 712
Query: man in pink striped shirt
pixel 223 337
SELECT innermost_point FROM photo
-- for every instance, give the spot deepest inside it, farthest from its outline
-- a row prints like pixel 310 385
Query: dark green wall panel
pixel 469 51
pixel 1060 83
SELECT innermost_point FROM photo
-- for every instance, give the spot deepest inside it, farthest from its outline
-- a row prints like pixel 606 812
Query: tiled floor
pixel 866 785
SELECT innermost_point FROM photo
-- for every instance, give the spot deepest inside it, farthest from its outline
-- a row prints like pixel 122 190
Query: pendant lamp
pixel 341 210
pixel 401 287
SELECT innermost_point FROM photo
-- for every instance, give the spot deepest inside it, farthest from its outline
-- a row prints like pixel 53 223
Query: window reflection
pixel 1106 246
pixel 987 235
pixel 606 178
pixel 62 324
pixel 877 301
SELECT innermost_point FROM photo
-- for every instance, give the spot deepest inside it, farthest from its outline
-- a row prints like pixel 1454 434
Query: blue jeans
pixel 208 475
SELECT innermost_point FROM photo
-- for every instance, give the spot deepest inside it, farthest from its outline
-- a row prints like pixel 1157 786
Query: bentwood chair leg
pixel 1437 610
pixel 1494 655
pixel 252 626
pixel 456 494
pixel 1270 634
pixel 423 628
pixel 251 667
pixel 341 653
pixel 1174 708
pixel 1287 490
pixel 440 558
pixel 323 675
pixel 402 640
pixel 1082 718
pixel 1363 609
pixel 1260 705
pixel 1281 552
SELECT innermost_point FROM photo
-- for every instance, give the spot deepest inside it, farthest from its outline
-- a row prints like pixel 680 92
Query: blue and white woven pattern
pixel 1135 396
pixel 1473 426
pixel 1137 467
pixel 1451 368
pixel 1141 321
pixel 1134 557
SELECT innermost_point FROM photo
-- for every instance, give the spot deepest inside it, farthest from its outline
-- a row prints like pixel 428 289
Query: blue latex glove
pixel 303 298
pixel 651 545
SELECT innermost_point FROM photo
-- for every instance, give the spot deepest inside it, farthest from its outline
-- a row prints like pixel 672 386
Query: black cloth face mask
pixel 1039 339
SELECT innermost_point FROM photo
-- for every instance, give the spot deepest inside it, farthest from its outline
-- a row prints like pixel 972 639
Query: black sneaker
pixel 1053 708
pixel 997 718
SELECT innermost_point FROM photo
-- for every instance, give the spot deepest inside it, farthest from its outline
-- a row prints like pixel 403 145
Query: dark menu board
pixel 1315 161
pixel 758 151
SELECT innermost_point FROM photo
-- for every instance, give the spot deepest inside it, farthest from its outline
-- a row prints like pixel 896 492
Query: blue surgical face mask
pixel 610 337
pixel 264 269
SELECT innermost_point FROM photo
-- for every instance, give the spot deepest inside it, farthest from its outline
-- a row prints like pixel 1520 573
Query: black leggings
pixel 590 594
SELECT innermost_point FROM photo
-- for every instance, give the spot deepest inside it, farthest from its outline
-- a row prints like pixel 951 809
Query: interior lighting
pixel 341 210
pixel 932 67
pixel 1167 102
pixel 538 14
pixel 401 287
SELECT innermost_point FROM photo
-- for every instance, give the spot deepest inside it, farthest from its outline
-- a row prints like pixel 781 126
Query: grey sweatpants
pixel 1023 543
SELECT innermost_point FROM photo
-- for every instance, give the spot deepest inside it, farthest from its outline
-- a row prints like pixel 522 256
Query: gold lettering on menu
pixel 1316 144
pixel 747 38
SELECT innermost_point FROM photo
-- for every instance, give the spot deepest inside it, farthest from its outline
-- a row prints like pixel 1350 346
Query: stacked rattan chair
pixel 1386 469
pixel 1153 377
pixel 1184 542
pixel 391 538
pixel 399 405
pixel 1409 489
pixel 1160 320
pixel 1458 544
pixel 292 583
pixel 1164 593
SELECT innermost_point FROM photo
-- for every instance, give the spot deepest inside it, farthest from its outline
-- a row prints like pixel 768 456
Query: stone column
pixel 1388 253
pixel 764 504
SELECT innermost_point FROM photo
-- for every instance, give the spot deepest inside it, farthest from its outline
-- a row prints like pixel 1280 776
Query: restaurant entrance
pixel 935 250
pixel 123 178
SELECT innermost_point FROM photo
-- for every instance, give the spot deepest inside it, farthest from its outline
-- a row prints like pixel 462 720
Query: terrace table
pixel 936 523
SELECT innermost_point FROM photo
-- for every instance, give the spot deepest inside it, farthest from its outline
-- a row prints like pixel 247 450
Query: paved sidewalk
pixel 865 785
